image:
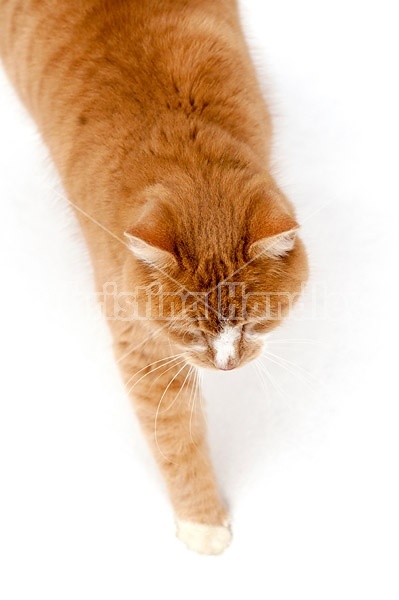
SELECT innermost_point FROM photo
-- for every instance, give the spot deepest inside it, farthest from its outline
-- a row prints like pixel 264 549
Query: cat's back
pixel 164 56
pixel 147 35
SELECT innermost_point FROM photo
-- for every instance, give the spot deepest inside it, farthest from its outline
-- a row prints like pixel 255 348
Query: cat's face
pixel 222 279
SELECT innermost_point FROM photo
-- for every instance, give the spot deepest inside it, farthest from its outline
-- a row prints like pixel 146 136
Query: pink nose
pixel 231 364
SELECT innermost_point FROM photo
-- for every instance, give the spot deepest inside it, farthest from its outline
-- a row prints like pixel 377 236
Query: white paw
pixel 205 539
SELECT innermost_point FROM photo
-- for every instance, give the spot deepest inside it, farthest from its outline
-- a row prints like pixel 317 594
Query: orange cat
pixel 156 123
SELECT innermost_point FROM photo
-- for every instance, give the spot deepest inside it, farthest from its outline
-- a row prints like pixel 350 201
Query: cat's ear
pixel 151 238
pixel 274 246
pixel 150 253
pixel 273 233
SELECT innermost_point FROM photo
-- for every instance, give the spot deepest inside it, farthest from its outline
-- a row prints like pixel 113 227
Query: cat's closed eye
pixel 256 331
pixel 188 336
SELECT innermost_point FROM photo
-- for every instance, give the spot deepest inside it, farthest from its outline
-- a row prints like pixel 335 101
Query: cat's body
pixel 157 126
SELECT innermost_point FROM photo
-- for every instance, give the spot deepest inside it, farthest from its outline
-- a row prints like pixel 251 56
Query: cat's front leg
pixel 167 403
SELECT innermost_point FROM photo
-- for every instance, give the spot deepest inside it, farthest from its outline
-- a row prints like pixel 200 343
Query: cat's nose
pixel 229 366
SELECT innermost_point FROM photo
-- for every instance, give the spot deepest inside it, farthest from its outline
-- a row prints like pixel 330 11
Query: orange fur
pixel 155 121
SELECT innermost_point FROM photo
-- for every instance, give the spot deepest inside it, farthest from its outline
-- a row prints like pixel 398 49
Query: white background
pixel 308 465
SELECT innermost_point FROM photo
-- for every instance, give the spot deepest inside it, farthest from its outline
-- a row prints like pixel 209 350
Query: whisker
pixel 176 364
pixel 198 391
pixel 296 341
pixel 193 403
pixel 155 362
pixel 200 379
pixel 261 375
pixel 162 373
pixel 147 339
pixel 274 383
pixel 157 412
pixel 167 358
pixel 306 375
pixel 179 392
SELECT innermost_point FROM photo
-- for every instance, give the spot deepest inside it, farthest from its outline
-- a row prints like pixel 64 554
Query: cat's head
pixel 218 265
